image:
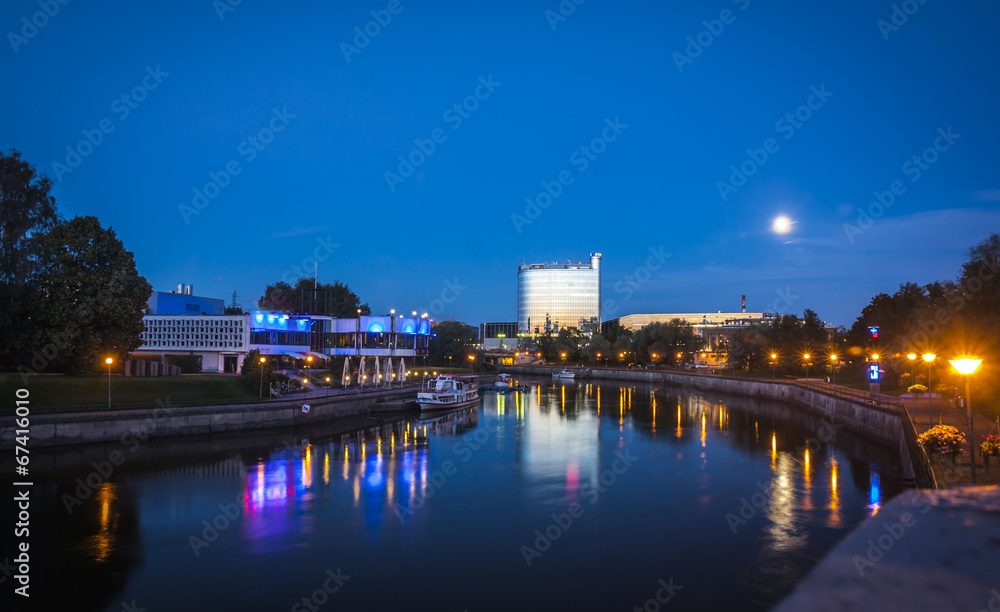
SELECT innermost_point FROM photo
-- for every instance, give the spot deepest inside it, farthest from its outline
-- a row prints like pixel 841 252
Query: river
pixel 576 496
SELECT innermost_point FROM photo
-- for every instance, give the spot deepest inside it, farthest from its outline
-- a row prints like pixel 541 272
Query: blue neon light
pixel 408 328
pixel 376 328
pixel 259 318
pixel 874 373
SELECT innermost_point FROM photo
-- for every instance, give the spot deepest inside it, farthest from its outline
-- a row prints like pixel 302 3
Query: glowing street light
pixel 472 363
pixel 774 359
pixel 806 359
pixel 262 360
pixel 833 364
pixel 929 357
pixel 109 361
pixel 966 367
pixel 913 358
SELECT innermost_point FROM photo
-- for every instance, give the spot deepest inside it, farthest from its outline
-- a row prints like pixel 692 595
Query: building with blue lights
pixel 222 342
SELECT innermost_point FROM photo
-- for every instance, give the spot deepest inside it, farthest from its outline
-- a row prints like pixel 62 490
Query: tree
pixel 234 310
pixel 598 346
pixel 250 373
pixel 454 339
pixel 89 294
pixel 306 296
pixel 27 211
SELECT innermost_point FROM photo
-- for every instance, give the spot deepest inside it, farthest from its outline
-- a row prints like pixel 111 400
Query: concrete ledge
pixel 126 425
pixel 925 550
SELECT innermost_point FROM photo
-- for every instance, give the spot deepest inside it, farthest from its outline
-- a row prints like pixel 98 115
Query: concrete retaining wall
pixel 883 425
pixel 126 425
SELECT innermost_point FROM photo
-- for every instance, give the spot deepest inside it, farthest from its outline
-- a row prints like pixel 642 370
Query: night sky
pixel 299 117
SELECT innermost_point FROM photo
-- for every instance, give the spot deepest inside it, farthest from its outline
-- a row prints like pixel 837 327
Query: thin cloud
pixel 987 196
pixel 298 231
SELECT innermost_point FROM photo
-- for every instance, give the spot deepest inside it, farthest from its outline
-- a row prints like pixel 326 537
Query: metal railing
pixel 885 402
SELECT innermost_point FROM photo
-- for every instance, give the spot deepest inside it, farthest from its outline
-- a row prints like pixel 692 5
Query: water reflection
pixel 333 494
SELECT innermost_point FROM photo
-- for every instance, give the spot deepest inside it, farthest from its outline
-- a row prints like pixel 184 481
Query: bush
pixel 917 389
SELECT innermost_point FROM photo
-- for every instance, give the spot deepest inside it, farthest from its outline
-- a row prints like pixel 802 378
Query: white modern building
pixel 556 296
pixel 222 341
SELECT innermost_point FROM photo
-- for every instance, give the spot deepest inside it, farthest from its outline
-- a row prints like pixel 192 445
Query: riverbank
pixel 169 419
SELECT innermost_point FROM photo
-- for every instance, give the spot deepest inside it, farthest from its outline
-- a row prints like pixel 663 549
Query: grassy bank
pixel 48 391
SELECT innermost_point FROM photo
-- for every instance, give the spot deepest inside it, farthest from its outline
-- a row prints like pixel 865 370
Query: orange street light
pixel 929 357
pixel 966 366
pixel 109 361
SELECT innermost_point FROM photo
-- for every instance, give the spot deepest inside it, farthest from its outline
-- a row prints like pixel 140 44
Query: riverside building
pixel 556 296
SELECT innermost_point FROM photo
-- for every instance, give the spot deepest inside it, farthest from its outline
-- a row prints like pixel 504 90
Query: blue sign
pixel 874 373
pixel 873 331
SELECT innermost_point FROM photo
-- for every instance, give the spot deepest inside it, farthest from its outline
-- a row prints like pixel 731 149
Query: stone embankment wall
pixel 52 429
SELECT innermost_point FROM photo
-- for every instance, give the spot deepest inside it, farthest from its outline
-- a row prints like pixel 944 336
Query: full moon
pixel 782 225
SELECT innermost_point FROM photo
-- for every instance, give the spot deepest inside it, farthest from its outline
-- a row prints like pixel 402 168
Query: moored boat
pixel 449 391
pixel 565 375
pixel 503 381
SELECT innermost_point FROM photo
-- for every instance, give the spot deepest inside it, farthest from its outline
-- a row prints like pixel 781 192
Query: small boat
pixel 447 391
pixel 503 381
pixel 565 375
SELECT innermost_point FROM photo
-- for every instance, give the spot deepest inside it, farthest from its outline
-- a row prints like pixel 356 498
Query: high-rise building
pixel 556 296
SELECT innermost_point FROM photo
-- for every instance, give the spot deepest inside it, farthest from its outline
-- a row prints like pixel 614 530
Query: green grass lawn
pixel 57 391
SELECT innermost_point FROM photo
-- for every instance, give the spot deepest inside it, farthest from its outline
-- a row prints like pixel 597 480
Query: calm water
pixel 606 490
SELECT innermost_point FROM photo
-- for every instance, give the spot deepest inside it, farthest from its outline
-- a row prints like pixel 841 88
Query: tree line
pixel 70 294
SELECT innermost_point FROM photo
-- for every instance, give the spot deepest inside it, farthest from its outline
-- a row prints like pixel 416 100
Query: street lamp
pixel 806 358
pixel 109 361
pixel 929 357
pixel 774 359
pixel 449 364
pixel 833 364
pixel 966 366
pixel 261 394
pixel 913 358
pixel 472 363
pixel 328 386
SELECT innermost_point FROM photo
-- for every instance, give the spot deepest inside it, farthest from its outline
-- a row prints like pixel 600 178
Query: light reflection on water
pixel 378 501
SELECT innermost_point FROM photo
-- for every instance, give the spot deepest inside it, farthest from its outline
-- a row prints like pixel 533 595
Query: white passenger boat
pixel 564 375
pixel 503 382
pixel 449 391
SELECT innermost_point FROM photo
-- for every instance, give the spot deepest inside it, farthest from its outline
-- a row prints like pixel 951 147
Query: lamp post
pixel 774 359
pixel 328 386
pixel 833 364
pixel 109 361
pixel 261 394
pixel 472 364
pixel 929 357
pixel 913 397
pixel 806 359
pixel 449 364
pixel 966 366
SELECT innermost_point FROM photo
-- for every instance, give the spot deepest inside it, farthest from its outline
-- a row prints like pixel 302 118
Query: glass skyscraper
pixel 555 296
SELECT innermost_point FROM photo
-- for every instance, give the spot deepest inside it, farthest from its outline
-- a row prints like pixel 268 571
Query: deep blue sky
pixel 654 186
